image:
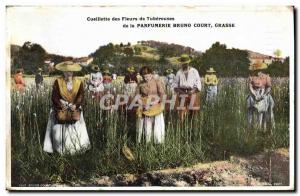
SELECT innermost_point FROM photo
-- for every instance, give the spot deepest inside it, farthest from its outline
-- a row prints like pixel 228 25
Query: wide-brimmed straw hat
pixel 169 70
pixel 95 67
pixel 211 70
pixel 258 66
pixel 106 71
pixel 184 59
pixel 131 69
pixel 68 66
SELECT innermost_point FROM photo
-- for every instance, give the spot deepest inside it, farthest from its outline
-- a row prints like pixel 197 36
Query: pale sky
pixel 66 31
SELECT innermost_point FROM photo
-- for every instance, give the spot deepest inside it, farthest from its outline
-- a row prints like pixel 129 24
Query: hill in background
pixel 159 55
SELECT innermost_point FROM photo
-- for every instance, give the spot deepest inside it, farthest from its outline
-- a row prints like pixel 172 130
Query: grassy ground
pixel 218 132
pixel 148 53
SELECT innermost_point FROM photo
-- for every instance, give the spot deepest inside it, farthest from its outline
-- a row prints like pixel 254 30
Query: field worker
pixel 170 78
pixel 155 74
pixel 187 86
pixel 107 80
pixel 114 76
pixel 95 83
pixel 66 129
pixel 139 77
pixel 150 116
pixel 260 99
pixel 39 78
pixel 130 81
pixel 211 82
pixel 19 81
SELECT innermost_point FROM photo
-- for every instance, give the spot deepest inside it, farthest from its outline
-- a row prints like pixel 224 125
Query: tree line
pixel 117 57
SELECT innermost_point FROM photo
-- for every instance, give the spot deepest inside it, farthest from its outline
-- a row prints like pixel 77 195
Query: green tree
pixel 128 51
pixel 215 57
pixel 238 62
pixel 277 53
pixel 31 56
pixel 279 69
pixel 227 62
pixel 104 54
pixel 137 50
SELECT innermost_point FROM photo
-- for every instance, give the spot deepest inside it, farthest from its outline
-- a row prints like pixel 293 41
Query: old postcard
pixel 150 98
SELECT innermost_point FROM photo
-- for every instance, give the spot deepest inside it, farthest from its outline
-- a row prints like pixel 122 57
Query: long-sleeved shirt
pixel 191 80
pixel 56 96
pixel 211 79
pixel 96 79
pixel 20 82
pixel 130 77
pixel 170 79
pixel 107 79
pixel 152 87
pixel 260 81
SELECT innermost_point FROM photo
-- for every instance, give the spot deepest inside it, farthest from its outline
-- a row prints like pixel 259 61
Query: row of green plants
pixel 218 131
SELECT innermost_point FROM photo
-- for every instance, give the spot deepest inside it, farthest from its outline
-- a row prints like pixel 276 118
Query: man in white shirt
pixel 187 85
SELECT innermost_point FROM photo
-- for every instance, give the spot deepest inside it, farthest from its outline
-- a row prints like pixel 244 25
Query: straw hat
pixel 68 66
pixel 258 66
pixel 131 69
pixel 211 70
pixel 184 59
pixel 95 68
pixel 169 70
pixel 106 71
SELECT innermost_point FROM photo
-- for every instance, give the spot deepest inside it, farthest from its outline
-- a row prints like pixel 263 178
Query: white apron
pixel 66 138
pixel 147 125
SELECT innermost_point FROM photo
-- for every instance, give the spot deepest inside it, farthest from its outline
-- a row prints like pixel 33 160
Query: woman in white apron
pixel 66 129
pixel 95 84
pixel 260 99
pixel 150 117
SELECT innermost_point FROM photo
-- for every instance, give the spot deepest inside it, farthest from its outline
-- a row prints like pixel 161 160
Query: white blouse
pixel 191 81
pixel 97 77
pixel 70 85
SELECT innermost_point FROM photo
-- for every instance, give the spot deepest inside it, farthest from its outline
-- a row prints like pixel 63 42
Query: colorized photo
pixel 144 98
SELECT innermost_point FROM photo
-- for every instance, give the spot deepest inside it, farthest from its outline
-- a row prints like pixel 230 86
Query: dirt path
pixel 269 167
pixel 238 171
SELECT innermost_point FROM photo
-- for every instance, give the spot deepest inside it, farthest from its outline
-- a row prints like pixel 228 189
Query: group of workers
pixel 66 130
